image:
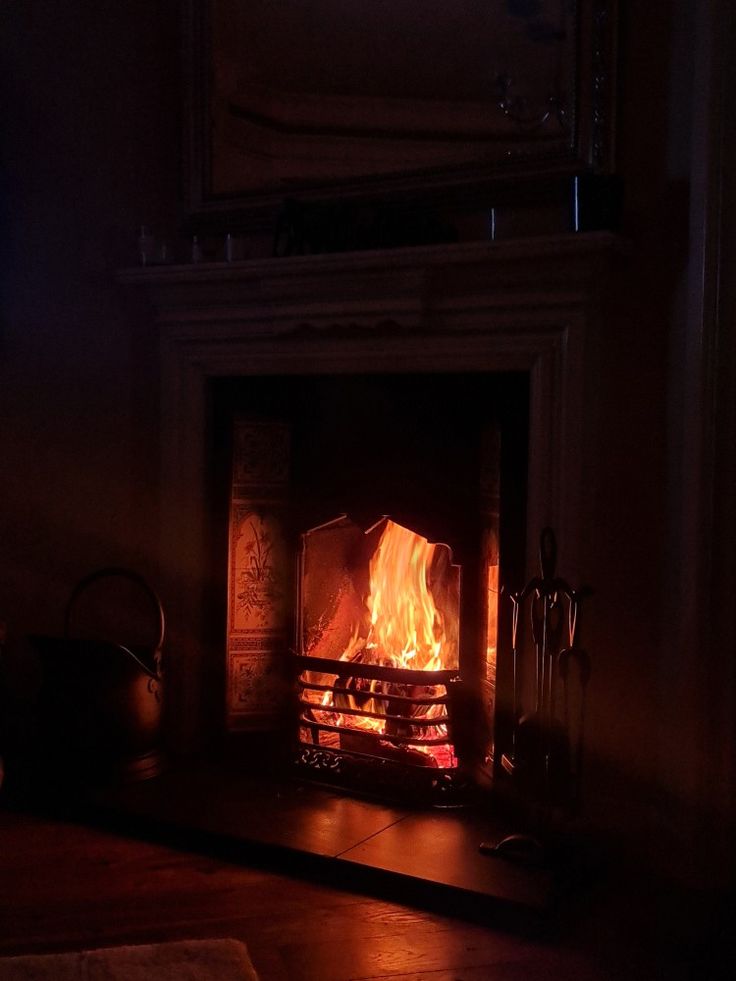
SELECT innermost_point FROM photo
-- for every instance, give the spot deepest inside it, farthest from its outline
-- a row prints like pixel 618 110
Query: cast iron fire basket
pixel 377 661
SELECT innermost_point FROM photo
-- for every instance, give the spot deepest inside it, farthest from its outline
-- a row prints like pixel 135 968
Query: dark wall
pixel 626 444
pixel 89 152
pixel 661 543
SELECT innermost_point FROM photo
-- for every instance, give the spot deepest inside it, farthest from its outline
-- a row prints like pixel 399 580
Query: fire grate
pixel 413 752
pixel 367 721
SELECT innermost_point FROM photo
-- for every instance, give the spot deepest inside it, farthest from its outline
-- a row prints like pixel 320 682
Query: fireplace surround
pixel 526 306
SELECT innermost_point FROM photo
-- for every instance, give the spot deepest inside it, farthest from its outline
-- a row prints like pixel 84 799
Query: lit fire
pixel 405 629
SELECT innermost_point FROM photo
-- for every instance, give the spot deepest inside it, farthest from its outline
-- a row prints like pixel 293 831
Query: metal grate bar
pixel 377 736
pixel 422 721
pixel 378 672
pixel 417 700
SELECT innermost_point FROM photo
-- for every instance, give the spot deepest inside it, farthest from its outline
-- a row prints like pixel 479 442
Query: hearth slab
pixel 441 848
pixel 280 813
pixel 426 856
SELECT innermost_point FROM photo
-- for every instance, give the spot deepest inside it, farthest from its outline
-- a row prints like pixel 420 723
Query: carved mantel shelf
pixel 527 305
pixel 414 283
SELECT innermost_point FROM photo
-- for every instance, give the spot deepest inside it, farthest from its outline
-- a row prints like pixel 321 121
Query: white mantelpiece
pixel 529 306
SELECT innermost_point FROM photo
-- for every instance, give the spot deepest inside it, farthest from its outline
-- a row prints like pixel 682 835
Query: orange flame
pixel 406 626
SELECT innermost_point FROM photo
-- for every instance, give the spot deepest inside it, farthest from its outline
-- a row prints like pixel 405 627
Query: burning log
pixel 351 689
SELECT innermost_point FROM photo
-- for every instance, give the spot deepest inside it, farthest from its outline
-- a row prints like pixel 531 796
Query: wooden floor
pixel 66 887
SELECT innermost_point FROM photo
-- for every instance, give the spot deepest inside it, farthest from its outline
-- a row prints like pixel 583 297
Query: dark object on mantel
pixel 99 704
pixel 313 228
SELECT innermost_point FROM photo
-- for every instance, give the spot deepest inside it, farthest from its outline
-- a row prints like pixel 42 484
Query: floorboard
pixel 64 886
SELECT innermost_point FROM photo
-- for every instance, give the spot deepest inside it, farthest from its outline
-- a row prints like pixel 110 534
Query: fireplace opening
pixel 335 472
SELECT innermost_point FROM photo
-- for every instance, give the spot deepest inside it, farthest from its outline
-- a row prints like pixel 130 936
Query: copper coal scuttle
pixel 99 705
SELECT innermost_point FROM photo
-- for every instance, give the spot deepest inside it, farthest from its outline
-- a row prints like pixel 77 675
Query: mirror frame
pixel 588 146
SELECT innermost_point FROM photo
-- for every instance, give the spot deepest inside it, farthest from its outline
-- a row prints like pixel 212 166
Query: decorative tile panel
pixel 260 576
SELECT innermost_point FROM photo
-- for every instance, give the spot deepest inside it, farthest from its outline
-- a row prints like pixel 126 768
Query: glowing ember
pixel 404 628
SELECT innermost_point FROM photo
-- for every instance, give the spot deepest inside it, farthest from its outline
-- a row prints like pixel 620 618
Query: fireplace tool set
pixel 544 764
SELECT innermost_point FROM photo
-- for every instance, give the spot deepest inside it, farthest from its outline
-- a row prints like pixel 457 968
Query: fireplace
pixel 469 312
